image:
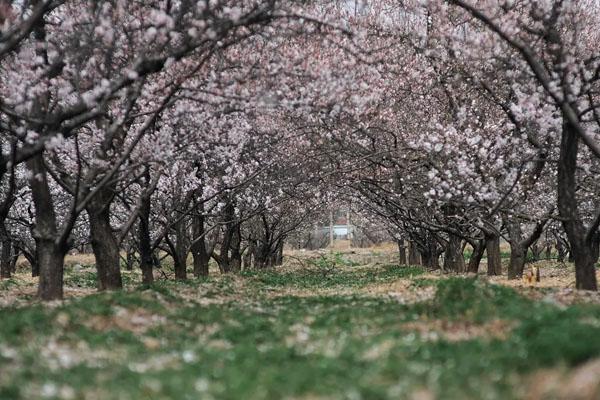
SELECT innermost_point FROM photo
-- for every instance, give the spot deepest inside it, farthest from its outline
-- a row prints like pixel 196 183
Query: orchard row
pixel 225 128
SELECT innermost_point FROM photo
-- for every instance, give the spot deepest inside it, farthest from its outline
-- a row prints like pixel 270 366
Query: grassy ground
pixel 324 328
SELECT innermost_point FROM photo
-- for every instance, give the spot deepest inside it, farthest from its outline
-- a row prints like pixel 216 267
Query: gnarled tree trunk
pixel 104 243
pixel 476 256
pixel 453 255
pixel 50 249
pixel 519 246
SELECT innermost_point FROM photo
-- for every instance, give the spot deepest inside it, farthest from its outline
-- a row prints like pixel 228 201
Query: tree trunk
pixel 430 254
pixel 104 243
pixel 536 251
pixel 180 267
pixel 179 261
pixel 401 252
pixel 262 256
pixel 492 248
pixel 14 258
pixel 259 262
pixel 518 249
pixel 431 259
pixel 235 259
pixel 279 253
pixel 179 250
pixel 198 248
pixel 414 258
pixel 519 246
pixel 562 248
pixel 476 256
pixel 548 253
pixel 32 258
pixel 249 255
pixel 518 256
pixel 183 249
pixel 51 261
pixel 6 253
pixel 145 244
pixel 129 258
pixel 223 258
pixel 561 251
pixel 453 255
pixel 50 250
pixel 581 242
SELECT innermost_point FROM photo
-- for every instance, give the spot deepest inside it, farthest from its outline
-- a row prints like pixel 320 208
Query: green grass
pixel 86 277
pixel 167 342
pixel 332 278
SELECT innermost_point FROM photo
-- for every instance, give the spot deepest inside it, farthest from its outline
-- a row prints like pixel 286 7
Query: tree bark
pixel 476 256
pixel 414 257
pixel 14 258
pixel 431 260
pixel 261 256
pixel 430 254
pixel 235 260
pixel 453 255
pixel 179 250
pixel 104 243
pixel 548 254
pixel 492 248
pixel 31 257
pixel 519 246
pixel 561 250
pixel 536 251
pixel 401 252
pixel 222 258
pixel 581 242
pixel 249 255
pixel 198 248
pixel 50 250
pixel 518 256
pixel 257 256
pixel 6 253
pixel 51 262
pixel 129 258
pixel 518 250
pixel 145 244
